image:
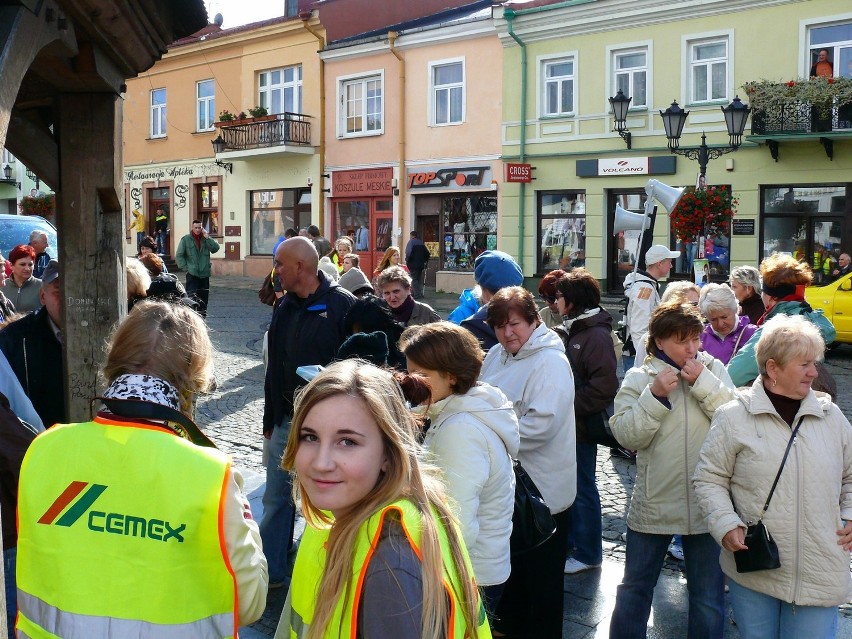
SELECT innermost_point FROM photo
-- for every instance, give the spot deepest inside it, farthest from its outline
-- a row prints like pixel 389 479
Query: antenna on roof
pixel 218 20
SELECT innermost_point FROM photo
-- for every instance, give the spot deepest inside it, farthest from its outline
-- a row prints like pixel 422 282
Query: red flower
pixel 791 84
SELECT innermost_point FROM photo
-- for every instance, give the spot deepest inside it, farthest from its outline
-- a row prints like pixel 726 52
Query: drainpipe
pixel 321 209
pixel 401 185
pixel 509 16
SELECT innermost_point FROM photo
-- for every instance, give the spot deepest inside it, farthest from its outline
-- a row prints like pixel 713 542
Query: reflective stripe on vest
pixel 120 535
pixel 310 564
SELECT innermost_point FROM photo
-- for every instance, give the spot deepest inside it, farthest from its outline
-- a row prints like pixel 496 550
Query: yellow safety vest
pixel 310 565
pixel 120 535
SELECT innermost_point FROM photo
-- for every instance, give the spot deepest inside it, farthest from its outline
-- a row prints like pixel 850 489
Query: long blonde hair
pixel 386 258
pixel 406 477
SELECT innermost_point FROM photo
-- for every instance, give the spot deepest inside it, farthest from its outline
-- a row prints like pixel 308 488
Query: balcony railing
pixel 801 117
pixel 268 131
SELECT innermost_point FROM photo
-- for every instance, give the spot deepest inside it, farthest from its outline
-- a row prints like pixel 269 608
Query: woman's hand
pixel 664 383
pixel 734 540
pixel 691 370
pixel 845 535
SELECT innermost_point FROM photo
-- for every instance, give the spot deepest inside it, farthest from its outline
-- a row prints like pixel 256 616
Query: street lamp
pixel 219 147
pixel 31 174
pixel 620 104
pixel 674 118
pixel 7 177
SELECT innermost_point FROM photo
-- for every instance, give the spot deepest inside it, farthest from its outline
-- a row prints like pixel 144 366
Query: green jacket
pixel 192 260
pixel 743 366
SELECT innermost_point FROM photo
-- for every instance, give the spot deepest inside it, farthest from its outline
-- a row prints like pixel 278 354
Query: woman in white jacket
pixel 473 436
pixel 663 411
pixel 529 366
pixel 811 503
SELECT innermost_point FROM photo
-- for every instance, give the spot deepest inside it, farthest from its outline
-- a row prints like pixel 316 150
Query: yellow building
pixel 791 175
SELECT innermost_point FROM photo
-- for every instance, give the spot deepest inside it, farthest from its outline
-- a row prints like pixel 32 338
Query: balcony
pixel 283 133
pixel 815 109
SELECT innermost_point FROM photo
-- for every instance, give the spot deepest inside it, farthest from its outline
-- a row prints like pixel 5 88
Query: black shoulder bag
pixel 762 552
pixel 532 521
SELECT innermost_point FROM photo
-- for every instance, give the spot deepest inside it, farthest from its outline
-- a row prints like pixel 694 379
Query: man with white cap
pixel 643 296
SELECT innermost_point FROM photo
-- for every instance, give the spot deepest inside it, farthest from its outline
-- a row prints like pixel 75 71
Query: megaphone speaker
pixel 627 220
pixel 666 195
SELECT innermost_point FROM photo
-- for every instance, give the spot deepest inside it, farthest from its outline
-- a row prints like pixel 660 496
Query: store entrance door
pixel 159 199
pixel 623 248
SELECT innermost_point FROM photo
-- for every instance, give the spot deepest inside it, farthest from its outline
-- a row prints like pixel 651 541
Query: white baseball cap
pixel 658 253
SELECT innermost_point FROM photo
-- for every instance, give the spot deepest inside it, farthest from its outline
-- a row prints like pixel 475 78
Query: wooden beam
pixel 36 147
pixel 91 238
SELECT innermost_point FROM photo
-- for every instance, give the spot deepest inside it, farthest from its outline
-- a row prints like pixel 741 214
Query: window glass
pixel 207 208
pixel 272 212
pixel 709 70
pixel 558 87
pixel 470 227
pixel 206 113
pixel 361 108
pixel 561 230
pixel 448 80
pixel 353 220
pixel 631 76
pixel 280 90
pixel 158 113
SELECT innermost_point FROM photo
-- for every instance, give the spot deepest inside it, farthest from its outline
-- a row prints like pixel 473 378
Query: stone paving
pixel 232 416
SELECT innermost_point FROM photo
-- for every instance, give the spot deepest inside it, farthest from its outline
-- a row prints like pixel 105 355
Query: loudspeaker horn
pixel 666 195
pixel 627 220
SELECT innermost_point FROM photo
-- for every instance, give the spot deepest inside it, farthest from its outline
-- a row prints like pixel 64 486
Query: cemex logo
pixel 80 496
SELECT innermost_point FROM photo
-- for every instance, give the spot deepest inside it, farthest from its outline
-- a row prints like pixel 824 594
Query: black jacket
pixel 302 332
pixel 477 325
pixel 15 438
pixel 35 355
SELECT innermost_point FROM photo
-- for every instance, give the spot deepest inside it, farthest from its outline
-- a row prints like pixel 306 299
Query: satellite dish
pixel 218 20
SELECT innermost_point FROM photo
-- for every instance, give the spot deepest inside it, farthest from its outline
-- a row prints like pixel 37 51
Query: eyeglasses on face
pixel 550 299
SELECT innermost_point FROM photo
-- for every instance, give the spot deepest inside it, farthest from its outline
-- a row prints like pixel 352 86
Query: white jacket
pixel 667 442
pixel 642 298
pixel 539 383
pixel 473 438
pixel 740 459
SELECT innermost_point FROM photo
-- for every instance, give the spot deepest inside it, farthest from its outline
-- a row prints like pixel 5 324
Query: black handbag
pixel 532 522
pixel 598 430
pixel 762 552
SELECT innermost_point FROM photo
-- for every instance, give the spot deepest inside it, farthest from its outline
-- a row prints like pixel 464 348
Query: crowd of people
pixel 400 436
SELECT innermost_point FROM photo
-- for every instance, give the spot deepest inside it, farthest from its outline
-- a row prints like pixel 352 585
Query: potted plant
pixel 774 98
pixel 706 212
pixel 258 111
pixel 43 205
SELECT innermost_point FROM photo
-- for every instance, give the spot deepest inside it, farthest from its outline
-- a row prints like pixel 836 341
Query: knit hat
pixel 326 265
pixel 494 270
pixel 372 347
pixel 354 280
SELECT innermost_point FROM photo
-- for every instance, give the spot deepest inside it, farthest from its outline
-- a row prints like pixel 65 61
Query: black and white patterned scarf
pixel 144 387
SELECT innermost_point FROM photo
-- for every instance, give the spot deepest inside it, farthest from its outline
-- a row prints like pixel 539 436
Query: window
pixel 207 208
pixel 206 114
pixel 708 61
pixel 631 75
pixel 558 78
pixel 273 212
pixel 280 90
pixel 836 41
pixel 158 113
pixel 361 106
pixel 448 93
pixel 470 227
pixel 561 230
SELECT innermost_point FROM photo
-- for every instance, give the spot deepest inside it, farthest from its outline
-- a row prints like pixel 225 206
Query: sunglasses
pixel 550 299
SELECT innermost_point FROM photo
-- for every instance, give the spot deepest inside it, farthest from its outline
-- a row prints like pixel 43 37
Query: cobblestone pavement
pixel 232 416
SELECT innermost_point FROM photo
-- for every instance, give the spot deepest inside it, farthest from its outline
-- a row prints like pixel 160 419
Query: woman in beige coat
pixel 663 411
pixel 813 499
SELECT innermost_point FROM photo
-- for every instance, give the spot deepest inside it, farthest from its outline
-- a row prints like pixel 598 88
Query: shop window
pixel 561 230
pixel 361 106
pixel 448 93
pixel 470 227
pixel 808 222
pixel 707 259
pixel 207 208
pixel 557 78
pixel 206 112
pixel 630 68
pixel 280 90
pixel 272 212
pixel 353 221
pixel 158 113
pixel 708 70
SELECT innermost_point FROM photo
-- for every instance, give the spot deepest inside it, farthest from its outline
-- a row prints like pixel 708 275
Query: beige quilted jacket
pixel 740 459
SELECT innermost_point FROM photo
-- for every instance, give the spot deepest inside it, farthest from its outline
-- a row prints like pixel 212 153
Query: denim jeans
pixel 627 362
pixel 704 583
pixel 10 556
pixel 586 526
pixel 761 616
pixel 279 511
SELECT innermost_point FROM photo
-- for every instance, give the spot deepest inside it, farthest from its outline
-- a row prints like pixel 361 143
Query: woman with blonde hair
pixel 682 292
pixel 342 248
pixel 801 496
pixel 138 281
pixel 175 505
pixel 784 282
pixel 473 437
pixel 381 555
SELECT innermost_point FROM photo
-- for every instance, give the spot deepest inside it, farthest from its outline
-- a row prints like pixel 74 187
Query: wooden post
pixel 91 238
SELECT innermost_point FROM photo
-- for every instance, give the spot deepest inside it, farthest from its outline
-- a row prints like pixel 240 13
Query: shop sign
pixel 619 167
pixel 518 172
pixel 623 166
pixel 450 178
pixel 158 174
pixel 742 227
pixel 368 182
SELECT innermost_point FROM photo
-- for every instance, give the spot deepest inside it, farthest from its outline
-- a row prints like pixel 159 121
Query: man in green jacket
pixel 193 256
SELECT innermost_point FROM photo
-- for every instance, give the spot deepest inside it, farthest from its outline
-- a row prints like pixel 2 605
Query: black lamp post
pixel 219 147
pixel 31 174
pixel 674 118
pixel 620 104
pixel 7 177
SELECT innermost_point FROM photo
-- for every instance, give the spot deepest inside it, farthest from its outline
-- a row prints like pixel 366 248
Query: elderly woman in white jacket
pixel 472 436
pixel 529 366
pixel 663 411
pixel 812 502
